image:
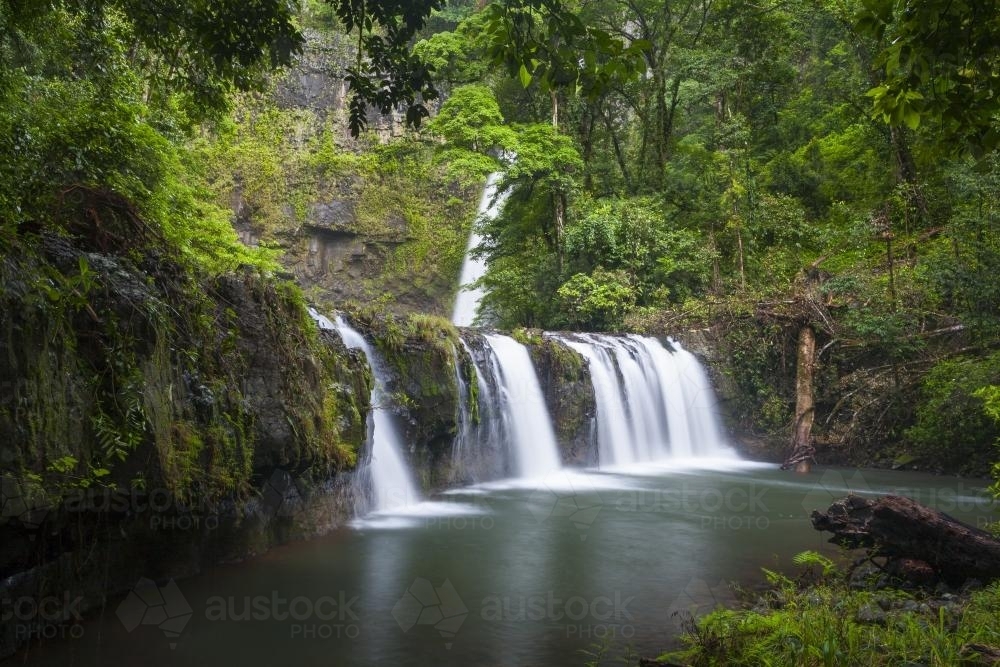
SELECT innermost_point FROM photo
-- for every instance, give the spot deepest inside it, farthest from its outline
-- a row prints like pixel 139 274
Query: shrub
pixel 952 424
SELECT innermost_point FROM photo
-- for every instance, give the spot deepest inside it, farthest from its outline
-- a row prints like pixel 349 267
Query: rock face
pixel 152 422
pixel 421 353
pixel 569 395
pixel 354 220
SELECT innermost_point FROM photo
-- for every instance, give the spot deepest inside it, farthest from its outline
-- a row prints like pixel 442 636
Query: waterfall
pixel 467 300
pixel 480 453
pixel 613 433
pixel 527 425
pixel 701 404
pixel 652 403
pixel 391 484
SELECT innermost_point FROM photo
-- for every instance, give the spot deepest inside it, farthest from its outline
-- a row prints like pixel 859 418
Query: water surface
pixel 506 573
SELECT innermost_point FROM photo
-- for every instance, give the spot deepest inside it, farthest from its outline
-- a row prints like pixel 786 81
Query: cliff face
pixel 153 420
pixel 354 219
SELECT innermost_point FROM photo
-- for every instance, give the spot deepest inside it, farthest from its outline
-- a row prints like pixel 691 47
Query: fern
pixel 815 559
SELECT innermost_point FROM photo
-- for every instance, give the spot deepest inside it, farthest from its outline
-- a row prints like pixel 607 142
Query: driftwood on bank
pixel 902 529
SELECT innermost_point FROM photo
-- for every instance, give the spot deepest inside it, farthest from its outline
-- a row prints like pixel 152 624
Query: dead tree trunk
pixel 903 530
pixel 803 453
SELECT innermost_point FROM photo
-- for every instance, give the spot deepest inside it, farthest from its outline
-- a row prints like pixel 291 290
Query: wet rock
pixel 864 576
pixel 870 615
pixel 569 396
pixel 971 585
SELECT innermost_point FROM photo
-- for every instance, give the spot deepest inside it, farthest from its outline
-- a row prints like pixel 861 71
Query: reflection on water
pixel 506 573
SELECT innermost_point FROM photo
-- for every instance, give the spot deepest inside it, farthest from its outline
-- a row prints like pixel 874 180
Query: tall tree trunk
pixel 619 153
pixel 716 273
pixel 660 91
pixel 805 407
pixel 587 137
pixel 554 96
pixel 559 219
pixel 739 245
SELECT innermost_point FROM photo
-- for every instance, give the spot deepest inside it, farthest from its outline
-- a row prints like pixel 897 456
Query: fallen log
pixel 899 528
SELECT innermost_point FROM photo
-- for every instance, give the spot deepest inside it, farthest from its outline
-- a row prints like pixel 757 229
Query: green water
pixel 505 574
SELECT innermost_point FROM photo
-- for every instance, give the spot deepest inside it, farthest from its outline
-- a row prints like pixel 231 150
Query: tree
pixel 473 128
pixel 204 48
pixel 534 39
pixel 941 65
pixel 547 164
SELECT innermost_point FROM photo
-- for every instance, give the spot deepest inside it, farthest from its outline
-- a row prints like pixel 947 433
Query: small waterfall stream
pixel 391 484
pixel 652 403
pixel 467 300
pixel 526 420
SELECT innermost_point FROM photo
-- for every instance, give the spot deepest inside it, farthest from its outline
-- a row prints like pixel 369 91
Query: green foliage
pixel 387 74
pixel 815 559
pixel 990 396
pixel 455 55
pixel 939 61
pixel 473 128
pixel 952 424
pixel 757 355
pixel 596 302
pixel 824 625
pixel 201 50
pixel 634 235
pixel 470 118
pixel 546 160
pixel 548 42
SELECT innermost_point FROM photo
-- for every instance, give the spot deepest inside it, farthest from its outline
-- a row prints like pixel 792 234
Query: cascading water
pixel 467 301
pixel 480 452
pixel 391 485
pixel 652 404
pixel 701 404
pixel 526 421
pixel 613 433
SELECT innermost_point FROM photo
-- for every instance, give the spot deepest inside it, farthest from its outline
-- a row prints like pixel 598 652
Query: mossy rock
pixel 569 395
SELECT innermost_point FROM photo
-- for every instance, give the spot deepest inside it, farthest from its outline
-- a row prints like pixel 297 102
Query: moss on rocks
pixel 127 377
pixel 421 354
pixel 569 395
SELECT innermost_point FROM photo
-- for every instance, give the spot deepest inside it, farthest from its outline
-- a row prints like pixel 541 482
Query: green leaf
pixel 524 75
